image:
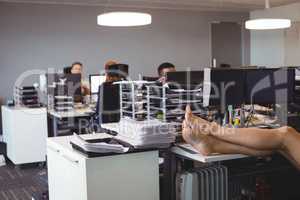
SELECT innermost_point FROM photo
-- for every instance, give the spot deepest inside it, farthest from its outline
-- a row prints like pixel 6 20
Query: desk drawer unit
pixel 25 133
pixel 76 177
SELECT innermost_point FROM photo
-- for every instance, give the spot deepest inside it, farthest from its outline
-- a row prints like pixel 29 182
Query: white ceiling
pixel 199 5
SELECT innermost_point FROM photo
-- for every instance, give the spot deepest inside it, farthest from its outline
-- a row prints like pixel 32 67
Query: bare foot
pixel 208 145
pixel 200 125
pixel 202 143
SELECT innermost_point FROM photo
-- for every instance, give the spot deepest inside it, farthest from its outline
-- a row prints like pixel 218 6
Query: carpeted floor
pixel 22 183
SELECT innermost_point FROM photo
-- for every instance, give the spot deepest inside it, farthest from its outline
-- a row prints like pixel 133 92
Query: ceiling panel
pixel 201 5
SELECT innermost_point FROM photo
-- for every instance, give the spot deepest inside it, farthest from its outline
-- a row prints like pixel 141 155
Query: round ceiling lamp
pixel 124 19
pixel 267 23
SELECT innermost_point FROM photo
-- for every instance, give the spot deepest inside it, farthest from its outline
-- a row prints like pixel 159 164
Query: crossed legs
pixel 210 138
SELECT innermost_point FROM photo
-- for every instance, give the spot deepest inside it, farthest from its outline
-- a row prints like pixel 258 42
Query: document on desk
pixel 146 134
pixel 99 147
pixel 189 148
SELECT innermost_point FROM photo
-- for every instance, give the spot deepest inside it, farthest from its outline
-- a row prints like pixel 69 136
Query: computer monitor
pixel 270 86
pixel 227 87
pixel 95 81
pixel 118 70
pixel 190 79
pixel 70 85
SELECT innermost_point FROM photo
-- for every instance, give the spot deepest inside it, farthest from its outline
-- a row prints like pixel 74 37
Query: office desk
pixel 184 158
pixel 81 112
pixel 63 122
pixel 74 176
pixel 175 153
pixel 188 152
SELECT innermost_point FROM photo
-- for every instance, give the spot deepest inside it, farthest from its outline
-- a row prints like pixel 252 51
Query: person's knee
pixel 286 133
pixel 286 130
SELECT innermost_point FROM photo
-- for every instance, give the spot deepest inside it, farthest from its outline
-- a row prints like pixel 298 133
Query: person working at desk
pixel 110 113
pixel 209 137
pixel 163 69
pixel 106 67
pixel 77 68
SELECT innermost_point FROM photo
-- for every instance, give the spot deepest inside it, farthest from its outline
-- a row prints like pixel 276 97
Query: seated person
pixel 109 63
pixel 110 79
pixel 77 68
pixel 209 137
pixel 106 68
pixel 163 69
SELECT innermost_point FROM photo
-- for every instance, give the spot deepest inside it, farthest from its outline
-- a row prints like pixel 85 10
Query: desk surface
pixel 189 152
pixel 25 109
pixel 81 112
pixel 111 126
pixel 64 142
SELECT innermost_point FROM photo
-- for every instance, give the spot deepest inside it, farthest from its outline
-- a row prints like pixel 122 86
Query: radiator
pixel 209 183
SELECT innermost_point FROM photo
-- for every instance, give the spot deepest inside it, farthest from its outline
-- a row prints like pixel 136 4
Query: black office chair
pixel 149 78
pixel 107 108
pixel 67 70
pixel 118 70
pixel 109 104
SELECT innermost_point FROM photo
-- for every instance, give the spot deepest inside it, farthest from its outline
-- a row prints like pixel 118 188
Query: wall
pixel 227 34
pixel 292 45
pixel 52 36
pixel 269 48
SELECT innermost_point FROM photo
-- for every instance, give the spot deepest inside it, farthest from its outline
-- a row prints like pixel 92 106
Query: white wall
pixel 52 36
pixel 268 47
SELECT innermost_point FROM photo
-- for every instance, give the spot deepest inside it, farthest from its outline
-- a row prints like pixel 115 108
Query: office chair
pixel 149 78
pixel 109 104
pixel 118 70
pixel 67 70
pixel 107 108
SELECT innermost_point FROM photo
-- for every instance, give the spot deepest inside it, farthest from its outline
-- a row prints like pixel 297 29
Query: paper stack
pixel 100 147
pixel 146 134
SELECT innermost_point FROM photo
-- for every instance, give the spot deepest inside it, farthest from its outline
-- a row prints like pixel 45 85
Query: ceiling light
pixel 268 23
pixel 124 19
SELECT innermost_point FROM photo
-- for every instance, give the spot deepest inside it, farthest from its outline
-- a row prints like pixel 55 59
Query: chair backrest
pixel 109 103
pixel 118 70
pixel 150 78
pixel 67 70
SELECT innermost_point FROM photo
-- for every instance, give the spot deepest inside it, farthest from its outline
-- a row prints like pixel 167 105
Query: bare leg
pixel 291 145
pixel 262 139
pixel 208 145
pixel 284 139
